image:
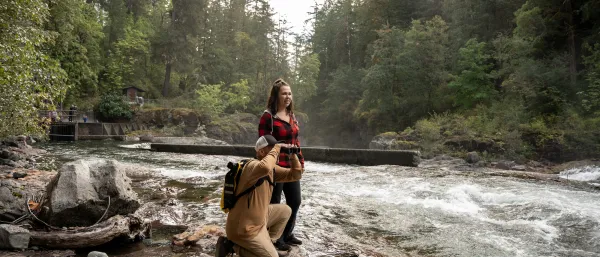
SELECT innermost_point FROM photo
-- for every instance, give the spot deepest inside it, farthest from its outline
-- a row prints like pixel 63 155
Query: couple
pixel 263 226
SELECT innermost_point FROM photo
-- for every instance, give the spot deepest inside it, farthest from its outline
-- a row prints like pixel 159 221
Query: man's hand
pixel 290 149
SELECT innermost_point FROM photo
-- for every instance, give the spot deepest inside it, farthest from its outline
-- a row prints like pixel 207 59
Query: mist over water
pixel 392 210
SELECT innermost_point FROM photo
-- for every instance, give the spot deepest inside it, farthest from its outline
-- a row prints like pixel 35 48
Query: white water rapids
pixel 399 211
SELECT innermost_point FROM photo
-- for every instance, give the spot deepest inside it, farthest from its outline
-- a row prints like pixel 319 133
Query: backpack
pixel 232 179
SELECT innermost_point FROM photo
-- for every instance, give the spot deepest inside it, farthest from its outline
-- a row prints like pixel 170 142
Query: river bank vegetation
pixel 510 78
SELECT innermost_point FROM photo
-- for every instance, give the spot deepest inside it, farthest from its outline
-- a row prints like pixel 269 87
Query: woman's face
pixel 285 96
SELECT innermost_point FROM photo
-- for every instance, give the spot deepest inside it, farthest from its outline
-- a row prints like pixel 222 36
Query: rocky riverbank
pixel 94 193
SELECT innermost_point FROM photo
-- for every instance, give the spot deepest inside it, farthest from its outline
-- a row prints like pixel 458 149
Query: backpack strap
pixel 251 189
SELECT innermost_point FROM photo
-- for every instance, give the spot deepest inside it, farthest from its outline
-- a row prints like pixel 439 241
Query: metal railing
pixel 66 115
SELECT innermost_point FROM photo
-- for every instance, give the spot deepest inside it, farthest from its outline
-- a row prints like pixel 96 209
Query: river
pixel 350 210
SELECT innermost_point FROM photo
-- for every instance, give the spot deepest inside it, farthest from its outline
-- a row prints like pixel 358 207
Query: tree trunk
pixel 571 43
pixel 167 83
pixel 118 226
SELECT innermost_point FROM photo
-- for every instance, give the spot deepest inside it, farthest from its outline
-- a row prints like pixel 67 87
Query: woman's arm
pixel 265 125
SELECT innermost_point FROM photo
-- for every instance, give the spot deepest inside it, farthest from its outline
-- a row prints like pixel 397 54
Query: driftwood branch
pixel 115 227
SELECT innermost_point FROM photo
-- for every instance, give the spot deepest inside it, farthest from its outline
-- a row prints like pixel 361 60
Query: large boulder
pixel 14 192
pixel 13 237
pixel 81 191
pixel 383 141
pixel 474 145
pixel 234 129
pixel 11 205
pixel 188 119
pixel 394 141
pixel 473 157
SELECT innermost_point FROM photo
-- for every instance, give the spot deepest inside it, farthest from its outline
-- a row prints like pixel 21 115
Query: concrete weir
pixel 66 131
pixel 365 157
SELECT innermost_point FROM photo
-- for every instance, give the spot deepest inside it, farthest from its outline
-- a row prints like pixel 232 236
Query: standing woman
pixel 279 121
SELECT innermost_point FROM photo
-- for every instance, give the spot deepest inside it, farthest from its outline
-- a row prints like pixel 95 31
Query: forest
pixel 433 74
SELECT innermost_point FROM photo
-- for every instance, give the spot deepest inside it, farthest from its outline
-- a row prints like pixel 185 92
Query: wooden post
pixel 76 131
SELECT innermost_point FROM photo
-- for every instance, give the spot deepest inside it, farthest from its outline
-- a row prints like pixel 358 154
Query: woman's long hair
pixel 273 101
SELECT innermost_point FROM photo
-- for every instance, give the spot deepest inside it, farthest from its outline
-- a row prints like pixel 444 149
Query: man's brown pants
pixel 262 244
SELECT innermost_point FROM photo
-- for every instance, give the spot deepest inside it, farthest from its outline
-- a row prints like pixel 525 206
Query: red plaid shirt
pixel 281 130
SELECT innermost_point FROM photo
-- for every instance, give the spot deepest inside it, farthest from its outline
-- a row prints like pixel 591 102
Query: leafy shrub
pixel 112 107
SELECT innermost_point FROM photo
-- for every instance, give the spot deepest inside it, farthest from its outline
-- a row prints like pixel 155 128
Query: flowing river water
pixel 350 210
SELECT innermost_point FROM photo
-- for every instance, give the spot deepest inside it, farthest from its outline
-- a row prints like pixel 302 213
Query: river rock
pixel 10 155
pixel 81 189
pixel 519 167
pixel 131 139
pixel 383 141
pixel 97 254
pixel 14 192
pixel 504 165
pixel 18 175
pixel 13 237
pixel 189 141
pixel 7 162
pixel 232 131
pixel 147 138
pixel 473 157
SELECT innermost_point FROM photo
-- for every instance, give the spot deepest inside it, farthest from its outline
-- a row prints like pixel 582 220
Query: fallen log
pixel 128 227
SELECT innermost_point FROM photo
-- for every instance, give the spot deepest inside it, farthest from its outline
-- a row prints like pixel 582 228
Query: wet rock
pixel 147 138
pixel 13 237
pixel 30 140
pixel 97 254
pixel 443 157
pixel 81 190
pixel 205 237
pixel 504 165
pixel 473 157
pixel 7 162
pixel 383 141
pixel 132 139
pixel 18 175
pixel 11 205
pixel 519 167
pixel 189 141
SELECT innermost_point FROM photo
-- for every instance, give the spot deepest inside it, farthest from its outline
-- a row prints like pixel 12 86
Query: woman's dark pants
pixel 293 199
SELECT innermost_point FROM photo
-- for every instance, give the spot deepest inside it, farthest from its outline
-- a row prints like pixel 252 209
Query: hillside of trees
pixel 522 74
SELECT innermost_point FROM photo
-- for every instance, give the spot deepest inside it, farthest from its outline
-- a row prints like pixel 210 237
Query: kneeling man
pixel 253 225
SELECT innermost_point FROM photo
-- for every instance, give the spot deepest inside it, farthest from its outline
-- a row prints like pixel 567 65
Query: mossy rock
pixel 388 135
pixel 233 130
pixel 474 144
pixel 404 145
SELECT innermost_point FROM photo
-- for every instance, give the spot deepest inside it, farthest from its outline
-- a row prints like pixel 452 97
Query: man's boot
pixel 224 247
pixel 282 246
pixel 292 240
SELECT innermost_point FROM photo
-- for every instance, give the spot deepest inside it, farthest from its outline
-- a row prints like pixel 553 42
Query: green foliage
pixel 29 79
pixel 208 100
pixel 591 95
pixel 474 84
pixel 428 130
pixel 236 97
pixel 77 45
pixel 214 100
pixel 497 69
pixel 407 74
pixel 113 106
pixel 305 80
